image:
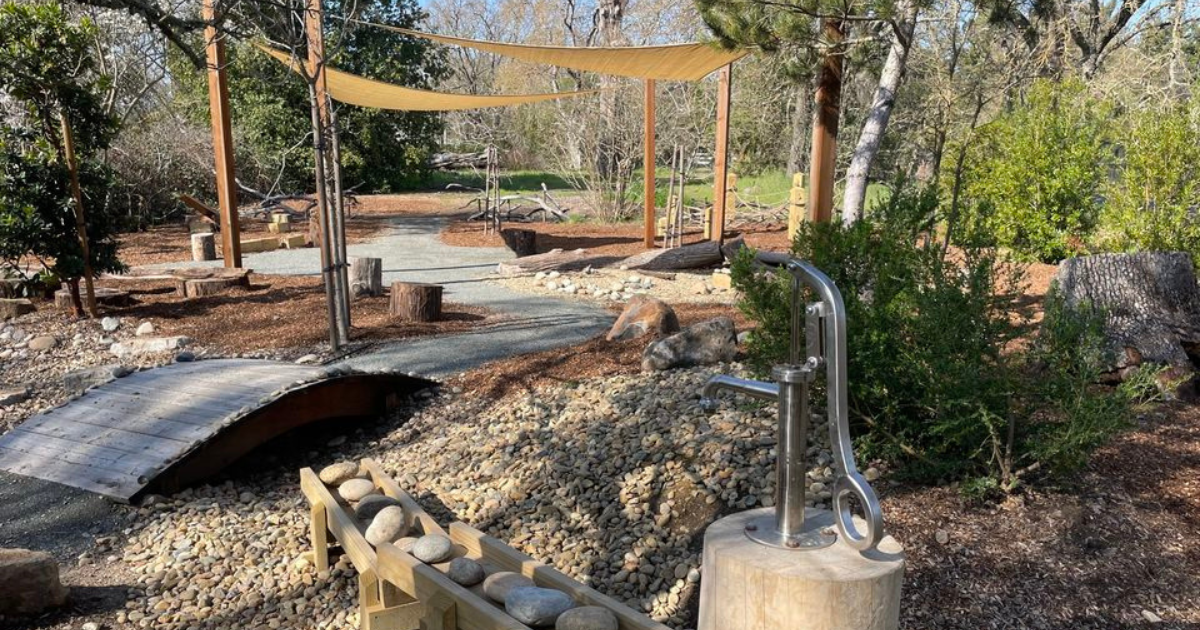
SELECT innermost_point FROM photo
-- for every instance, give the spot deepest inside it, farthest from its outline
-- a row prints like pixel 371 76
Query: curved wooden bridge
pixel 164 428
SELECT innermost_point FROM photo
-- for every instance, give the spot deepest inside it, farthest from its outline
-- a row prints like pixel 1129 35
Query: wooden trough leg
pixel 440 613
pixel 319 533
pixel 383 607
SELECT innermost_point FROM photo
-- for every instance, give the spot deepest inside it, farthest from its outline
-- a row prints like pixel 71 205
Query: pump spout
pixel 756 389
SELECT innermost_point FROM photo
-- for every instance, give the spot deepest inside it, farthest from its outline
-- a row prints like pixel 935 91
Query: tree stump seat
pixel 416 302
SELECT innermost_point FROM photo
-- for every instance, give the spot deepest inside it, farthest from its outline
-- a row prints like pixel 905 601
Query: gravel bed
pixel 611 480
pixel 616 286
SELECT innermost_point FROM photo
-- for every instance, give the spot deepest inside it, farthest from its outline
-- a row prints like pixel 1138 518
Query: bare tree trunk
pixel 1177 71
pixel 876 124
pixel 801 119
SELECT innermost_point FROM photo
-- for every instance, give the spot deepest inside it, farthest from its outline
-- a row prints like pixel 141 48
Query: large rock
pixel 29 582
pixel 13 395
pixel 148 345
pixel 388 525
pixel 535 606
pixel 80 381
pixel 587 618
pixel 711 341
pixel 42 343
pixel 498 584
pixel 10 308
pixel 642 316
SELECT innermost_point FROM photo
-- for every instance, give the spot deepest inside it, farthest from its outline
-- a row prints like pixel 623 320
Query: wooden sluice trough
pixel 399 592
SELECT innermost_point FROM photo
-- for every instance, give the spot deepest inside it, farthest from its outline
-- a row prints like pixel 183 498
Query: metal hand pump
pixel 823 325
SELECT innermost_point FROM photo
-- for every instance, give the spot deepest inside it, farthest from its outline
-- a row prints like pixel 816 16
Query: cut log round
pixel 105 296
pixel 200 282
pixel 206 286
pixel 705 254
pixel 204 246
pixel 522 242
pixel 416 302
pixel 366 276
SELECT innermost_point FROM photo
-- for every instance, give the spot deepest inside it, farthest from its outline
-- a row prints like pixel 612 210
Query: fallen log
pixel 553 260
pixel 705 254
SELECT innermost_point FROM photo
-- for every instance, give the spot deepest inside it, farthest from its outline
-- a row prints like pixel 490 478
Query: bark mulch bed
pixel 278 312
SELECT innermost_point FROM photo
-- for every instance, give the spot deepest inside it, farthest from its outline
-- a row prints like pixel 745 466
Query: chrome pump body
pixel 823 325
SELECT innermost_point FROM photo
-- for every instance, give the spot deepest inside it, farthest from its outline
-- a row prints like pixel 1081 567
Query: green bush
pixel 1152 205
pixel 1032 181
pixel 943 380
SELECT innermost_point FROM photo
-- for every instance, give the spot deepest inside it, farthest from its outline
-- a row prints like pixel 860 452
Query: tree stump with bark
pixel 416 302
pixel 521 242
pixel 366 276
pixel 204 246
pixel 104 296
pixel 202 282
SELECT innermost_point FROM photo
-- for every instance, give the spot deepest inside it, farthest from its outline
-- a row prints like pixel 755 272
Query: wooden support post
pixel 68 139
pixel 222 130
pixel 797 205
pixel 648 187
pixel 318 532
pixel 823 161
pixel 721 155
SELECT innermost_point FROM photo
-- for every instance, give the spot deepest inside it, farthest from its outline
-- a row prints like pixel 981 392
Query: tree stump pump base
pixel 750 585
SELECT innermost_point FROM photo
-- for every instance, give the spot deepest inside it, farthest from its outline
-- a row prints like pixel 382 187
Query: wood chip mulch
pixel 277 313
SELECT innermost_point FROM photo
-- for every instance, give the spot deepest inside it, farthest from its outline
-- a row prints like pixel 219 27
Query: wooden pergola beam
pixel 721 155
pixel 218 105
pixel 648 183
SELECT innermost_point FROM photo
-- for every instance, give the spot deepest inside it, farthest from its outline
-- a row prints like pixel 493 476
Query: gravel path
pixel 412 252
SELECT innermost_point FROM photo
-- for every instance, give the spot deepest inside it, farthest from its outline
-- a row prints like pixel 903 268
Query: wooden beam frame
pixel 648 182
pixel 721 155
pixel 222 130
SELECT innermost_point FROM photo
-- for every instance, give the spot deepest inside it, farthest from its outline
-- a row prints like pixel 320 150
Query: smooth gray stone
pixel 339 473
pixel 371 505
pixel 497 585
pixel 433 548
pixel 465 571
pixel 356 489
pixel 587 618
pixel 535 606
pixel 387 526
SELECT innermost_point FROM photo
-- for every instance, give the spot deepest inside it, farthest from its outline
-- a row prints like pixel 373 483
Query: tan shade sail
pixel 674 62
pixel 355 90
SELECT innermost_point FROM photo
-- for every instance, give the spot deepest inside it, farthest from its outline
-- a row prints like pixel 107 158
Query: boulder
pixel 498 585
pixel 148 345
pixel 43 343
pixel 29 582
pixel 110 324
pixel 644 316
pixel 80 381
pixel 144 330
pixel 534 606
pixel 13 395
pixel 10 308
pixel 388 525
pixel 587 618
pixel 705 343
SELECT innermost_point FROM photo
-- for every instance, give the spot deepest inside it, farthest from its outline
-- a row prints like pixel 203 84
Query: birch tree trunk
pixel 801 120
pixel 876 124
